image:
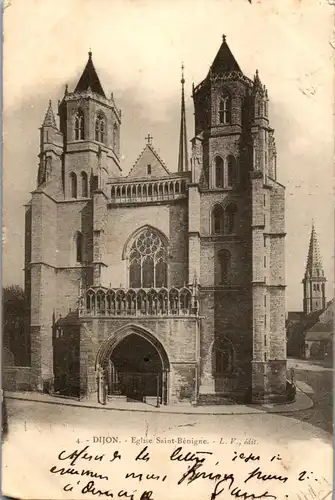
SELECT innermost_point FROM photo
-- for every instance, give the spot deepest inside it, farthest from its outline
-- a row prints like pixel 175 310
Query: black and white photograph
pixel 167 267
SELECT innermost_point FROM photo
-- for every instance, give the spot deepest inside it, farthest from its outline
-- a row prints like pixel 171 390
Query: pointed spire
pixel 183 152
pixel 314 266
pixel 224 60
pixel 89 79
pixel 49 119
pixel 257 82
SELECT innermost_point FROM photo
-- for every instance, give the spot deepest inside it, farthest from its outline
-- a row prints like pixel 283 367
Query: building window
pixel 264 241
pixel 149 169
pixel 224 357
pixel 225 265
pixel 264 340
pixel 148 261
pixel 265 356
pixel 265 300
pixel 218 219
pixel 100 128
pixel 265 320
pixel 225 110
pixel 73 185
pixel 79 247
pixel 230 215
pixel 264 260
pixel 231 171
pixel 79 126
pixel 264 200
pixel 84 185
pixel 219 172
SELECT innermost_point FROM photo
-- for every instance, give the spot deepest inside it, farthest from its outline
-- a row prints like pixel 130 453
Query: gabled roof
pixel 89 79
pixel 295 316
pixel 149 156
pixel 321 331
pixel 49 119
pixel 224 60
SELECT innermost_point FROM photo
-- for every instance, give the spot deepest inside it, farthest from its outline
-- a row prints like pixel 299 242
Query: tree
pixel 15 324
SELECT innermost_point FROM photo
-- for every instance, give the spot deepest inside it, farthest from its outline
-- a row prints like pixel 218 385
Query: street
pixel 320 379
pixel 38 432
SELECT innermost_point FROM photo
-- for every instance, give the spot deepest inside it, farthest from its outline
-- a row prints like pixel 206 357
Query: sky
pixel 138 47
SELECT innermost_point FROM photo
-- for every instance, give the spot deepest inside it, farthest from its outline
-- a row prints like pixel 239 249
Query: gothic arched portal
pixel 134 364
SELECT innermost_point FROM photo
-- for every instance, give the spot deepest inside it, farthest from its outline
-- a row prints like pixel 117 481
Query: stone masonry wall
pixel 176 335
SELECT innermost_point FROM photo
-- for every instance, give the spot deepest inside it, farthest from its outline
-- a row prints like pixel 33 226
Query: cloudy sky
pixel 138 47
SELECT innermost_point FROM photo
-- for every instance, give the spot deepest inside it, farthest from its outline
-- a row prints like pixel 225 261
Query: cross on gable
pixel 149 138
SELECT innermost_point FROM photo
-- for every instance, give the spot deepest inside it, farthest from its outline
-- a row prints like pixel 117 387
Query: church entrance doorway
pixel 135 370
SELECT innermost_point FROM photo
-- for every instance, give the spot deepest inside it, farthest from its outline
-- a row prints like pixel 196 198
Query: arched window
pixel 225 110
pixel 225 264
pixel 231 171
pixel 217 219
pixel 230 215
pixel 79 247
pixel 84 185
pixel 73 185
pixel 148 261
pixel 224 357
pixel 219 172
pixel 79 126
pixel 100 128
pixel 115 138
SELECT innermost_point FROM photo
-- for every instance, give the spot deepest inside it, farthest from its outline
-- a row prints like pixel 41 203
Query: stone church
pixel 166 284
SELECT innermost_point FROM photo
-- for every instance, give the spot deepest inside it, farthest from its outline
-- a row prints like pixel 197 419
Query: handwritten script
pixel 147 473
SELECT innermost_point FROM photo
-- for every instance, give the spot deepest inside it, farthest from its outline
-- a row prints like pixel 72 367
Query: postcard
pixel 167 250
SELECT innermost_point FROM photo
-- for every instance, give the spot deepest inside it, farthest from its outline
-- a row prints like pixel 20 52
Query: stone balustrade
pixel 116 302
pixel 139 192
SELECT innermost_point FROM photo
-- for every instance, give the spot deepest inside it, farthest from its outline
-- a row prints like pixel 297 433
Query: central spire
pixel 183 153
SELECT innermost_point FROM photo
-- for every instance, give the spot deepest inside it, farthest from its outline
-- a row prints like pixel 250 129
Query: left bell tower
pixel 90 123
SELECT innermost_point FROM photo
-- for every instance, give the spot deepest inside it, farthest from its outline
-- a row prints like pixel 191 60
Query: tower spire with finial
pixel 49 119
pixel 314 278
pixel 183 152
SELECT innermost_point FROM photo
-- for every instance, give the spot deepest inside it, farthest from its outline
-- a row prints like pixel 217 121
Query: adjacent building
pixel 310 332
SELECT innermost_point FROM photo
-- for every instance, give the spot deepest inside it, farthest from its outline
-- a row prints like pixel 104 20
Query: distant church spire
pixel 314 278
pixel 183 153
pixel 314 266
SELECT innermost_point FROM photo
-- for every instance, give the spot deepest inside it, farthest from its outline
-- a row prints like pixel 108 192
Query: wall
pixel 17 378
pixel 177 336
pixel 170 219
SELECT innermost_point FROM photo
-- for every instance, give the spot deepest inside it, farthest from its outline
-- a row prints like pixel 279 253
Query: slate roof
pixel 314 266
pixel 224 60
pixel 89 79
pixel 320 332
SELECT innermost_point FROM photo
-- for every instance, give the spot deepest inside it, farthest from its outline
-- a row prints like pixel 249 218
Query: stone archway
pixel 133 363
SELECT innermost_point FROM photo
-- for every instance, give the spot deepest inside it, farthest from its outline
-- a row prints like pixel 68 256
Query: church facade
pixel 159 284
